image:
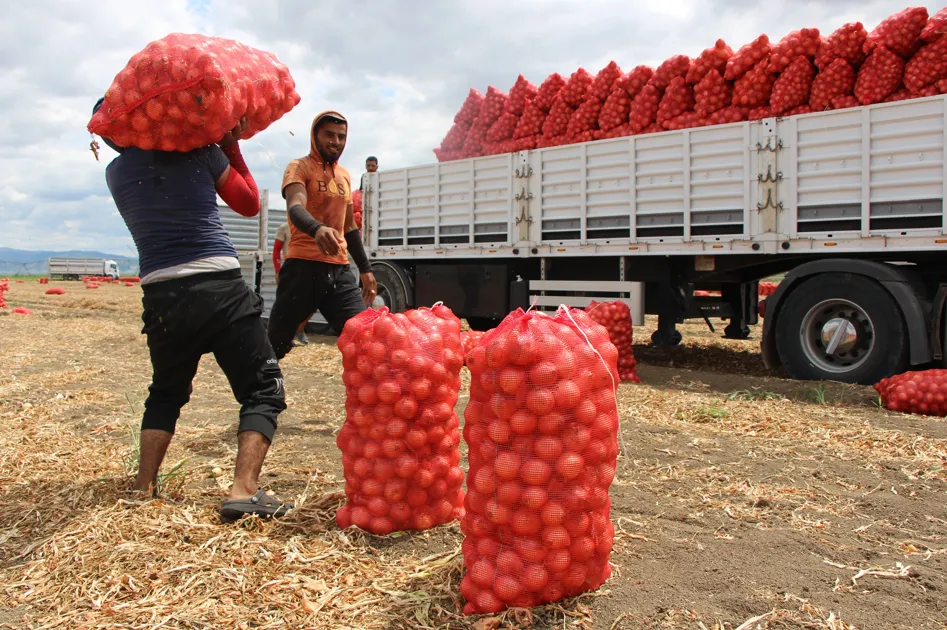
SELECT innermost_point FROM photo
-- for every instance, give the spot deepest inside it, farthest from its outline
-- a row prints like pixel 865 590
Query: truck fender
pixel 892 279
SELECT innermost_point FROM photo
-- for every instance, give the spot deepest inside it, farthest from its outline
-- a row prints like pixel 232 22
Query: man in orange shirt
pixel 315 275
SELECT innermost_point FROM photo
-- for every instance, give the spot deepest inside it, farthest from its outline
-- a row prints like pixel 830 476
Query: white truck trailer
pixel 849 204
pixel 76 268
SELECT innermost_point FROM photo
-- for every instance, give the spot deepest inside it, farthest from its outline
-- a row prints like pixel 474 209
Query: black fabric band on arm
pixel 304 221
pixel 354 241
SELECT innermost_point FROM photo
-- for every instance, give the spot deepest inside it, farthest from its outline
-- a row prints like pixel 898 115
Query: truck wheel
pixel 841 327
pixel 391 289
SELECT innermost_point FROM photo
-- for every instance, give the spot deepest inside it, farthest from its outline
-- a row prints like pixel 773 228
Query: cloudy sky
pixel 398 70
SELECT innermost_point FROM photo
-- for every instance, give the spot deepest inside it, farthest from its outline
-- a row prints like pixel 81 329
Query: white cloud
pixel 398 72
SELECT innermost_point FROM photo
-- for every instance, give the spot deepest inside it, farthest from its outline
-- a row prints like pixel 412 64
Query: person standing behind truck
pixel 371 165
pixel 280 249
pixel 195 301
pixel 316 275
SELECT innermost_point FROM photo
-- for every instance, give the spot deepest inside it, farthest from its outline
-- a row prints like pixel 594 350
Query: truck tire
pixel 391 289
pixel 841 327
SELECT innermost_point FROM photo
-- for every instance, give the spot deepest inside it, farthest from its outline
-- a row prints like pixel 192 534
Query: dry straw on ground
pixel 740 467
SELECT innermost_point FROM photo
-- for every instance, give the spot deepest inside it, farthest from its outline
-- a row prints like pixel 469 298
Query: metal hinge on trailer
pixel 523 171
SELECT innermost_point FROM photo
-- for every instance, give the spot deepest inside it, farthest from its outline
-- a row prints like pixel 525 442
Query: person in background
pixel 371 165
pixel 280 249
pixel 196 302
pixel 316 274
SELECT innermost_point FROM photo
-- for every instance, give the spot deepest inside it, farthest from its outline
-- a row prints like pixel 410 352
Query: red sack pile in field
pixel 834 81
pixel 615 110
pixel 531 123
pixel 644 108
pixel 673 67
pixel 129 284
pixel 713 58
pixel 55 291
pixel 357 207
pixel 793 87
pixel 922 392
pixel 712 93
pixel 677 99
pixel 22 310
pixel 43 280
pixel 503 128
pixel 4 287
pixel 604 81
pixel 616 318
pixel 927 67
pixel 802 43
pixel 400 440
pixel 557 121
pixel 548 91
pixel 748 57
pixel 936 26
pixel 634 81
pixel 186 91
pixel 753 89
pixel 767 288
pixel 521 93
pixel 130 279
pixel 585 117
pixel 542 432
pixel 900 33
pixel 846 43
pixel 574 91
pixel 879 77
pixel 92 285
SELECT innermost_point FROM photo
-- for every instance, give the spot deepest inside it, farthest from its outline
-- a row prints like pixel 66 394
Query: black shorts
pixel 307 286
pixel 210 312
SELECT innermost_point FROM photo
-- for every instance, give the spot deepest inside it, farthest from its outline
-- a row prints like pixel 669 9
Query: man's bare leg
pixel 153 446
pixel 251 451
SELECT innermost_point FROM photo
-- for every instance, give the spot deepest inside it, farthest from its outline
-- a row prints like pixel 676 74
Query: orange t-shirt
pixel 328 195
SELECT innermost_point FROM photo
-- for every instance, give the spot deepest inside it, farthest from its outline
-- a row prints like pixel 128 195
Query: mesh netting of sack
pixel 542 433
pixel 186 91
pixel 401 437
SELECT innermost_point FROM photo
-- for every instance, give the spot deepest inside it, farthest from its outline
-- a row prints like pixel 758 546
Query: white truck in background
pixel 849 204
pixel 76 268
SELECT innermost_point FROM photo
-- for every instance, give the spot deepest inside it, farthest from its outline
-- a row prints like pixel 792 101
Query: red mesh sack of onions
pixel 793 87
pixel 673 67
pixel 847 43
pixel 753 89
pixel 634 81
pixel 186 91
pixel 521 93
pixel 531 123
pixel 712 93
pixel 834 81
pixel 575 89
pixel 713 58
pixel 802 43
pixel 548 91
pixel 927 66
pixel 936 26
pixel 644 109
pixel 604 81
pixel 471 107
pixel 400 440
pixel 677 99
pixel 357 207
pixel 615 110
pixel 922 392
pixel 616 318
pixel 879 77
pixel 749 56
pixel 585 117
pixel 557 121
pixel 900 33
pixel 542 432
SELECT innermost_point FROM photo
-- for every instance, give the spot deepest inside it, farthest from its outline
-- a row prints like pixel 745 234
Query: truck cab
pixel 110 269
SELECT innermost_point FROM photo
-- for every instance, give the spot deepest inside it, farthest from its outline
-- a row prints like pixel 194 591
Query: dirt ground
pixel 742 500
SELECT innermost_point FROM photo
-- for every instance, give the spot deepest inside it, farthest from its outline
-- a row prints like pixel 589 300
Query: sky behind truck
pixel 400 93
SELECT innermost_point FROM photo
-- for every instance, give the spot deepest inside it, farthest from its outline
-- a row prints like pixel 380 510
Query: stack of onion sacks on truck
pixel 542 432
pixel 903 57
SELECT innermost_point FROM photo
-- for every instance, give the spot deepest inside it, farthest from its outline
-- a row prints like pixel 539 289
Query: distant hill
pixel 34 262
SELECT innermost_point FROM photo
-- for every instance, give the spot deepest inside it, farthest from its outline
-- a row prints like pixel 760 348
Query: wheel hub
pixel 837 335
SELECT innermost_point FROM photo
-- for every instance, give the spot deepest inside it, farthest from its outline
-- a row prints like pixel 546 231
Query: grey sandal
pixel 261 504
